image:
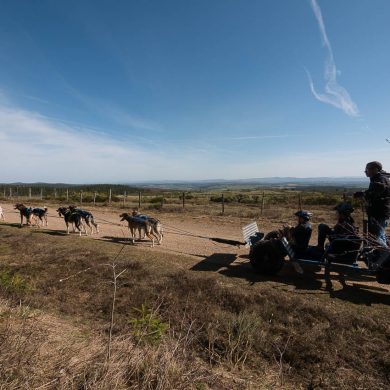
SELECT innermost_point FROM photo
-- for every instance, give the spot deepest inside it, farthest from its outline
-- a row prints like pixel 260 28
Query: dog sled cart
pixel 268 254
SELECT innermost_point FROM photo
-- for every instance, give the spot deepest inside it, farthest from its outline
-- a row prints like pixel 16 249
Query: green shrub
pixel 324 200
pixel 147 326
pixel 156 207
pixel 156 199
pixel 227 199
pixel 14 283
pixel 231 337
pixel 243 198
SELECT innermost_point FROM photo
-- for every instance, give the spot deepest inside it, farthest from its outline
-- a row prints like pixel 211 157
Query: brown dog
pixel 25 212
pixel 156 224
pixel 135 223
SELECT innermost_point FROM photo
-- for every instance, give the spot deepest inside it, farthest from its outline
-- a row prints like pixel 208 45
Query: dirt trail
pixel 181 233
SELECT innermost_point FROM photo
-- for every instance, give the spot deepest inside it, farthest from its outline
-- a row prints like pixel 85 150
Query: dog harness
pixel 38 211
pixel 138 219
pixel 146 218
pixel 142 216
pixel 82 213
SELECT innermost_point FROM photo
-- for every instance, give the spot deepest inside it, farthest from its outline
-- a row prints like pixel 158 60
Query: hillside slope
pixel 180 322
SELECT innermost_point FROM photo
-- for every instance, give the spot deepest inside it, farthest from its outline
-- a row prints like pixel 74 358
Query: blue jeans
pixel 377 227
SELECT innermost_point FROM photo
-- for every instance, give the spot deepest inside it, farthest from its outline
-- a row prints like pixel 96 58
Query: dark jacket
pixel 378 197
pixel 345 227
pixel 301 235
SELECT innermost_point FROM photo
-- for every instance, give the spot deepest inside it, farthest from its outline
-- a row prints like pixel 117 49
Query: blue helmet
pixel 304 214
pixel 344 208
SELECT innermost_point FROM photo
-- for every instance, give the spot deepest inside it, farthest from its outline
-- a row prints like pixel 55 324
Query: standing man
pixel 377 199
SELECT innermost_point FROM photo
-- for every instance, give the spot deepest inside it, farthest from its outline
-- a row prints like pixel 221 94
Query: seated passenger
pixel 345 225
pixel 301 234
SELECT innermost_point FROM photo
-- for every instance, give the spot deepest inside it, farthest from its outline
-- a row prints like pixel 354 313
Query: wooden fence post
pixel 55 193
pixel 29 193
pixel 81 197
pixel 124 199
pixel 67 194
pixel 184 200
pixel 10 192
pixel 139 199
pixel 4 192
pixel 109 197
pixel 41 193
pixel 262 203
pixel 223 204
pixel 94 199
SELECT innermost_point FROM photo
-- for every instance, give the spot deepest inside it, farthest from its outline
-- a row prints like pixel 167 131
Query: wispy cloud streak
pixel 253 137
pixel 334 94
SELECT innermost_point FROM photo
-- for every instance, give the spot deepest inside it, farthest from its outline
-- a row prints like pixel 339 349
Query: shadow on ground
pixel 122 240
pixel 15 225
pixel 40 230
pixel 337 285
pixel 52 232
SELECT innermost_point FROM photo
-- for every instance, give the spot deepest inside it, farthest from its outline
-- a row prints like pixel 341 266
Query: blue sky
pixel 102 91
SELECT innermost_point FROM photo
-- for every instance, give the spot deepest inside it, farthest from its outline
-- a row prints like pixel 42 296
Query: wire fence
pixel 259 200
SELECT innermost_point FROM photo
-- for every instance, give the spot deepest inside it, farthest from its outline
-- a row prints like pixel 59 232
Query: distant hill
pixel 278 182
pixel 188 185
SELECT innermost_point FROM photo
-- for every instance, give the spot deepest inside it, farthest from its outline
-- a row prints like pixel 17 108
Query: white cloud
pixel 116 114
pixel 36 148
pixel 334 94
pixel 131 121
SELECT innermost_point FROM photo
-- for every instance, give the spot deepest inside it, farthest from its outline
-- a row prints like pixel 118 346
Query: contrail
pixel 334 94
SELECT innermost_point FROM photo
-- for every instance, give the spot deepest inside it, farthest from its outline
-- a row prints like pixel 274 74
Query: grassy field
pixel 241 202
pixel 178 322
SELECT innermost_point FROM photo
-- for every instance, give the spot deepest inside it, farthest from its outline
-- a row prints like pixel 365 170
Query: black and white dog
pixel 40 214
pixel 25 212
pixel 71 218
pixel 30 213
pixel 87 217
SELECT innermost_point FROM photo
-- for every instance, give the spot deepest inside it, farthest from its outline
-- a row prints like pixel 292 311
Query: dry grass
pixel 41 351
pixel 221 333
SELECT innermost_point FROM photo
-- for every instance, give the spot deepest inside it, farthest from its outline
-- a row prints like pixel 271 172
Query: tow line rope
pixel 215 239
pixel 174 230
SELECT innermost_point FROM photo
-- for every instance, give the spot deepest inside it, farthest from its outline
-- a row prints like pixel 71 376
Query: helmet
pixel 344 208
pixel 374 164
pixel 304 214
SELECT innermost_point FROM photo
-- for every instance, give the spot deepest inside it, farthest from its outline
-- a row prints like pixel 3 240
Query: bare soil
pixel 186 234
pixel 228 327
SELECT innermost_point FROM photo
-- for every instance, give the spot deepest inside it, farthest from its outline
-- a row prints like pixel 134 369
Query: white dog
pixel 1 214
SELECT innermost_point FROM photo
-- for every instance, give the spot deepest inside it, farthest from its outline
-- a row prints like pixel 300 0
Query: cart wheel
pixel 274 234
pixel 266 257
pixel 383 275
